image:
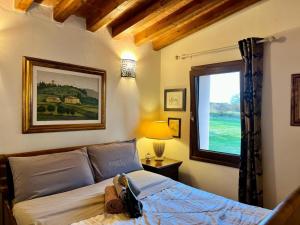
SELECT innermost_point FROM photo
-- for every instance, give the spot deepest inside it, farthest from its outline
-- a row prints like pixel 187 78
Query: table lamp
pixel 160 131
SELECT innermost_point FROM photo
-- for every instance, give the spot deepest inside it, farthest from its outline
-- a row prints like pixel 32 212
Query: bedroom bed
pixel 165 202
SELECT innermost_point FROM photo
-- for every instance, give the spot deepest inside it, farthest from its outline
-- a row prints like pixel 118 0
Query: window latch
pixel 192 117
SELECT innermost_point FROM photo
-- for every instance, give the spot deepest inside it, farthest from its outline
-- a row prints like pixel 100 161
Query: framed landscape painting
pixel 62 97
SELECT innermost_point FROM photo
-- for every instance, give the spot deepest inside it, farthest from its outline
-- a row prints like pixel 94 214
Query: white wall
pixel 282 164
pixel 280 140
pixel 129 101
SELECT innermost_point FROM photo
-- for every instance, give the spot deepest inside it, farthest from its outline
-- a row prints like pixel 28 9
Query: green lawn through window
pixel 225 134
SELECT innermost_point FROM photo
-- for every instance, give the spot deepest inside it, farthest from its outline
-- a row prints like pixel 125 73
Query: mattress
pixel 165 202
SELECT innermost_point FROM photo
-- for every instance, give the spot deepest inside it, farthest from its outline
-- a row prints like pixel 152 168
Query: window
pixel 215 134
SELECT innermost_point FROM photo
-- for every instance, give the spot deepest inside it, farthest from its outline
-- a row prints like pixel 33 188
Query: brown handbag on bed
pixel 133 206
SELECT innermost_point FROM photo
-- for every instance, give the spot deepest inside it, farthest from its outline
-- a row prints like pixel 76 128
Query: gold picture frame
pixel 175 126
pixel 62 97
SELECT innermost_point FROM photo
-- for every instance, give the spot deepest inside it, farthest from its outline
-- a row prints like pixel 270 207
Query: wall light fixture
pixel 128 67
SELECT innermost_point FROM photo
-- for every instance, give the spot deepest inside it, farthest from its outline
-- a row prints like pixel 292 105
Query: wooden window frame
pixel 196 153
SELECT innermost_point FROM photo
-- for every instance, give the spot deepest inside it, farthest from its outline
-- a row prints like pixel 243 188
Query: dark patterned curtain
pixel 250 180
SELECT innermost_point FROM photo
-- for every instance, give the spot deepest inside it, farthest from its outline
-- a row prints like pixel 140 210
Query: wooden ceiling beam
pixel 65 8
pixel 47 2
pixel 155 11
pixel 23 4
pixel 109 11
pixel 200 22
pixel 178 18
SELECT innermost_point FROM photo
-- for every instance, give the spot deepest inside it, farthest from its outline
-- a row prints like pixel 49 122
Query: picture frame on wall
pixel 175 99
pixel 62 97
pixel 175 126
pixel 295 100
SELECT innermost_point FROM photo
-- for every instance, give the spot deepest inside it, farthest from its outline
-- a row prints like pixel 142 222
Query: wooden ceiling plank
pixel 47 2
pixel 201 22
pixel 181 16
pixel 65 8
pixel 156 11
pixel 109 11
pixel 23 4
pixel 89 8
pixel 161 15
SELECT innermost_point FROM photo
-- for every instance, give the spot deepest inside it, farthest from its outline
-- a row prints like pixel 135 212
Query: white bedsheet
pixel 165 202
pixel 76 205
pixel 180 204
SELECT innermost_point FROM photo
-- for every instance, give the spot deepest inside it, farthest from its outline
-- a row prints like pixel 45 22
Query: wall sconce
pixel 128 67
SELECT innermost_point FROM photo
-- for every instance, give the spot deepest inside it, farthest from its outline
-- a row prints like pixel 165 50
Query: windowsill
pixel 217 158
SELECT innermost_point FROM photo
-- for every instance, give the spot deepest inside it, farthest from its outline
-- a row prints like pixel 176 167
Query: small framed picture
pixel 295 100
pixel 175 126
pixel 175 99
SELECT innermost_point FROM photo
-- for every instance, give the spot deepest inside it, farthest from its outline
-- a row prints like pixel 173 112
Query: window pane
pixel 219 113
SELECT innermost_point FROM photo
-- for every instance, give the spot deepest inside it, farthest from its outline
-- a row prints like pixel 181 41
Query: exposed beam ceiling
pixel 23 4
pixel 109 12
pixel 203 20
pixel 155 11
pixel 161 22
pixel 179 17
pixel 65 8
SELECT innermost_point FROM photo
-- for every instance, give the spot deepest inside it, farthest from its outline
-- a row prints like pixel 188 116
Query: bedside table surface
pixel 161 164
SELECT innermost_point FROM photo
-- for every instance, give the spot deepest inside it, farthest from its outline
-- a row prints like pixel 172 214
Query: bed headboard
pixel 287 212
pixel 6 180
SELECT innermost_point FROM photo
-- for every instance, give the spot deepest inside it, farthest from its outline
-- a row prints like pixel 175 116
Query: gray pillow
pixel 50 174
pixel 108 160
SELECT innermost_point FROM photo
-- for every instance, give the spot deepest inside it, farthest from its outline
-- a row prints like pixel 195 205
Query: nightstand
pixel 168 167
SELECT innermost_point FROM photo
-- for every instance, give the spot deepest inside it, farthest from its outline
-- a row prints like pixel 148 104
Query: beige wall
pixel 280 142
pixel 35 34
pixel 282 164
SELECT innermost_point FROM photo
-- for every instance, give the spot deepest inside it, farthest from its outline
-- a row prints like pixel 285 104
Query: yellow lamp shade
pixel 159 130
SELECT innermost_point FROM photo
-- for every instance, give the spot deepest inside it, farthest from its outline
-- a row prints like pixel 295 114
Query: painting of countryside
pixel 65 97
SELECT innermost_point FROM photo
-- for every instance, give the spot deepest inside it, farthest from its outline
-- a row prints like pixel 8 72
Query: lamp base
pixel 159 158
pixel 159 148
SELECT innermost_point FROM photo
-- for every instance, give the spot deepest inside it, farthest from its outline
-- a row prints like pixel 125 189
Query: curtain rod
pixel 216 50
